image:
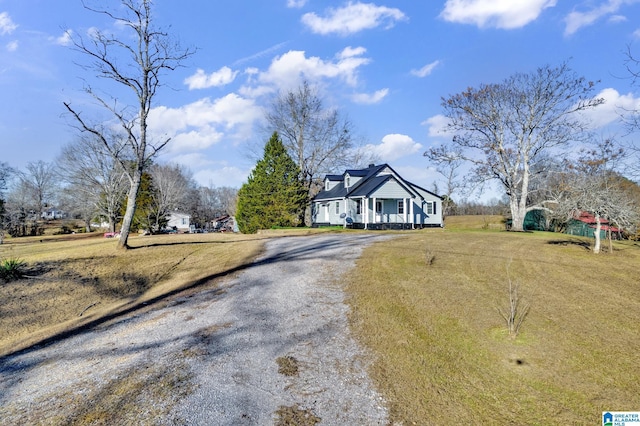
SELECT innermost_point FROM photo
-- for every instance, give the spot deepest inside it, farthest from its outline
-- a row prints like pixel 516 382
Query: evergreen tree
pixel 275 194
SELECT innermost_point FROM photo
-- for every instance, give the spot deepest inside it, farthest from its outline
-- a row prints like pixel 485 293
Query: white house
pixel 179 221
pixel 375 198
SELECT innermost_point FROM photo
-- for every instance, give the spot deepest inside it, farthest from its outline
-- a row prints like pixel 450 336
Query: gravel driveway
pixel 269 345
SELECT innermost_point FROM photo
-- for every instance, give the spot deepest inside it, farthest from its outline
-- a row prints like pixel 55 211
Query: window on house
pixel 184 220
pixel 430 208
pixel 400 206
pixel 337 207
pixel 326 185
pixel 347 181
pixel 358 206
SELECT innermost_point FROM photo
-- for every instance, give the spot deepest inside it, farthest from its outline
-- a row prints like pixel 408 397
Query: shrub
pixel 11 269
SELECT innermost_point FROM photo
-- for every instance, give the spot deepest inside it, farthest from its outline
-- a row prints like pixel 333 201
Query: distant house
pixel 52 214
pixel 375 198
pixel 179 221
pixel 584 225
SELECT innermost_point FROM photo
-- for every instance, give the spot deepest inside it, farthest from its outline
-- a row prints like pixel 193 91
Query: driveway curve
pixel 267 346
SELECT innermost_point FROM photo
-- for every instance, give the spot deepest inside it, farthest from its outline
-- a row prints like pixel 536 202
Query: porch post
pixel 413 219
pixel 365 211
pixel 374 210
pixel 405 210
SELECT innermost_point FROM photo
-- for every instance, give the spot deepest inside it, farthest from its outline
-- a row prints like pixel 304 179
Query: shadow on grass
pixel 571 242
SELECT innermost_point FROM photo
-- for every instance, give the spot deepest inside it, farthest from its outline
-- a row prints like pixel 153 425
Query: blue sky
pixel 385 64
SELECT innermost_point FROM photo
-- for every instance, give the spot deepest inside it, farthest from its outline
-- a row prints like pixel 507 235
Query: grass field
pixel 427 303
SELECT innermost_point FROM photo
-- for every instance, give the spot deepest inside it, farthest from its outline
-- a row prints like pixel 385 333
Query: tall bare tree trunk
pixel 131 209
pixel 517 214
pixel 596 247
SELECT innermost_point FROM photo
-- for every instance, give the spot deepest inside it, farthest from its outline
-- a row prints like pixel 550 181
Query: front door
pixel 378 211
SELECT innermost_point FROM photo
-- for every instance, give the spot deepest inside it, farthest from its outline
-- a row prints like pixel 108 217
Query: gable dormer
pixel 347 180
pixel 331 181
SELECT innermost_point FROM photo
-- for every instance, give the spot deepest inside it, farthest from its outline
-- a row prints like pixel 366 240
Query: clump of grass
pixel 287 365
pixel 11 269
pixel 430 256
pixel 296 416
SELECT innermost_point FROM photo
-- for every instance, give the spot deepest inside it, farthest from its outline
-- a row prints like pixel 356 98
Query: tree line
pixel 91 189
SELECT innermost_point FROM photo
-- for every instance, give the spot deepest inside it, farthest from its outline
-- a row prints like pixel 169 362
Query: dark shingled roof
pixel 368 183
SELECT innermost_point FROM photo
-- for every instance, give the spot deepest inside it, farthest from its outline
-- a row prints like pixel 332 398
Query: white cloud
pixel 288 70
pixel 64 39
pixel 223 176
pixel 615 104
pixel 194 160
pixel 636 33
pixel 200 80
pixel 195 140
pixel 199 125
pixel 576 20
pixel 437 126
pixel 426 70
pixel 12 46
pixel 229 111
pixel 353 18
pixel 296 3
pixel 505 14
pixel 370 98
pixel 7 26
pixel 394 146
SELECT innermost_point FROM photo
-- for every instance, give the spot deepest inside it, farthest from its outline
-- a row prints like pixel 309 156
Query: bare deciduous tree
pixel 135 61
pixel 593 186
pixel 318 139
pixel 39 185
pixel 171 186
pixel 505 129
pixel 96 179
pixel 448 161
pixel 631 117
pixel 5 174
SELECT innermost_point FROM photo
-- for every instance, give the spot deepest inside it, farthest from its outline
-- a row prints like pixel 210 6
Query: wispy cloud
pixel 505 14
pixel 261 54
pixel 353 18
pixel 7 26
pixel 370 98
pixel 12 46
pixel 297 4
pixel 426 70
pixel 65 39
pixel 202 80
pixel 577 20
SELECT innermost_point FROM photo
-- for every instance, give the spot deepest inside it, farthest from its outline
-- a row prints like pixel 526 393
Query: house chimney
pixel 371 165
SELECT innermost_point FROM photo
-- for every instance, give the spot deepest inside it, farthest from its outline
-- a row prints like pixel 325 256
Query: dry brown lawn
pixel 427 305
pixel 81 279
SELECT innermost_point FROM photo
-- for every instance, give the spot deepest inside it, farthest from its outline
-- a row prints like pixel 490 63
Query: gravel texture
pixel 212 358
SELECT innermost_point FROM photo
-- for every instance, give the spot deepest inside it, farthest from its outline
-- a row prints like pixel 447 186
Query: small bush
pixel 11 269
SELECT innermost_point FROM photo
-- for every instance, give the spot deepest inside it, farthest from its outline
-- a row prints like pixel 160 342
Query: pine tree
pixel 274 194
